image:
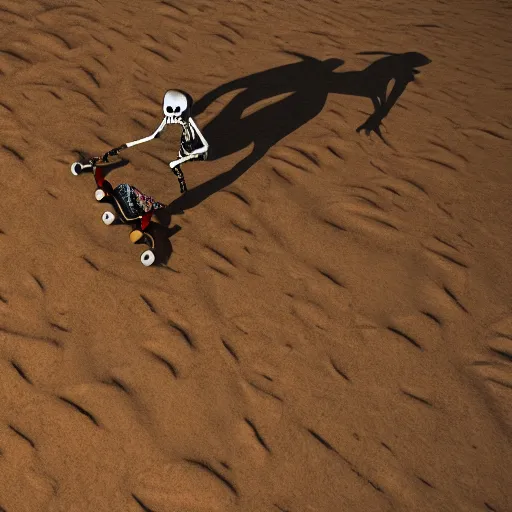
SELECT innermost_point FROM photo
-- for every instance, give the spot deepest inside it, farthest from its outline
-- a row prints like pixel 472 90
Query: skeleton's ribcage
pixel 187 146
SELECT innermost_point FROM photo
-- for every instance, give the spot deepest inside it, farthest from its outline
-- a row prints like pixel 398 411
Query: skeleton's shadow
pixel 308 84
pixel 162 236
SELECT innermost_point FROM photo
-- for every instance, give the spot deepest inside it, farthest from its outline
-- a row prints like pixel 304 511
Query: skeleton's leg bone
pixel 181 178
pixel 184 159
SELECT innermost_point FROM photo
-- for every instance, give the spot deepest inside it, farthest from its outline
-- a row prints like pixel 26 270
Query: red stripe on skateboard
pixel 146 218
pixel 98 176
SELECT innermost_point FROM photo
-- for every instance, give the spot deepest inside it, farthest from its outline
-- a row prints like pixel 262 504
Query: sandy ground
pixel 329 325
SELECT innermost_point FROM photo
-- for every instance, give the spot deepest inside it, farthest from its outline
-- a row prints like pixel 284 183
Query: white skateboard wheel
pixel 76 168
pixel 108 218
pixel 147 258
pixel 99 194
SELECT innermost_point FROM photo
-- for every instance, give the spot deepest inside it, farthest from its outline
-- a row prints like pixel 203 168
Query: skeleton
pixel 177 107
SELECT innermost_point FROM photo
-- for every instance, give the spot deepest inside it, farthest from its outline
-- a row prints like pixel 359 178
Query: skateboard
pixel 130 205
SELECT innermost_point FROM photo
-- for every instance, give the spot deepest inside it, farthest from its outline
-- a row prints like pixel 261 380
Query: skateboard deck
pixel 131 205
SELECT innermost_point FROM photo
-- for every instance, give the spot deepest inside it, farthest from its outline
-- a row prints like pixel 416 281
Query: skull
pixel 176 106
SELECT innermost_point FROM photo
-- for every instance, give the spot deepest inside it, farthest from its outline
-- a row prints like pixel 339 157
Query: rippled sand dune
pixel 328 327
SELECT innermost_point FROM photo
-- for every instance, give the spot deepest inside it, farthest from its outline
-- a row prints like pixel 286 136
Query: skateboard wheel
pixel 99 194
pixel 147 258
pixel 108 218
pixel 76 168
pixel 136 235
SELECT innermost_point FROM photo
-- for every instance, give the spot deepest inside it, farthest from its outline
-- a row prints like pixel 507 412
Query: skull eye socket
pixel 171 110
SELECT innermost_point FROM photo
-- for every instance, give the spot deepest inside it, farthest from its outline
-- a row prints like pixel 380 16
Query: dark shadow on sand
pixel 160 231
pixel 162 236
pixel 308 83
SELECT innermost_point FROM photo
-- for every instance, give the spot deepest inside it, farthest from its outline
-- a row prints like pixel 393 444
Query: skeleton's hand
pixel 108 154
pixel 113 152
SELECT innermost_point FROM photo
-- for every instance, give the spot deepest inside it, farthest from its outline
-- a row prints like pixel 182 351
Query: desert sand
pixel 328 326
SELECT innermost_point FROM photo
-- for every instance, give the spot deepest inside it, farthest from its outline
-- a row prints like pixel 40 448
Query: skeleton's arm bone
pixel 115 151
pixel 203 140
pixel 150 137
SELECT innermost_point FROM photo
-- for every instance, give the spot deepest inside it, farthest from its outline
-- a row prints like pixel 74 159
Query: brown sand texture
pixel 329 325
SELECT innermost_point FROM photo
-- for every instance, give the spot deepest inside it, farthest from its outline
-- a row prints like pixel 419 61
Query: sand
pixel 328 326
